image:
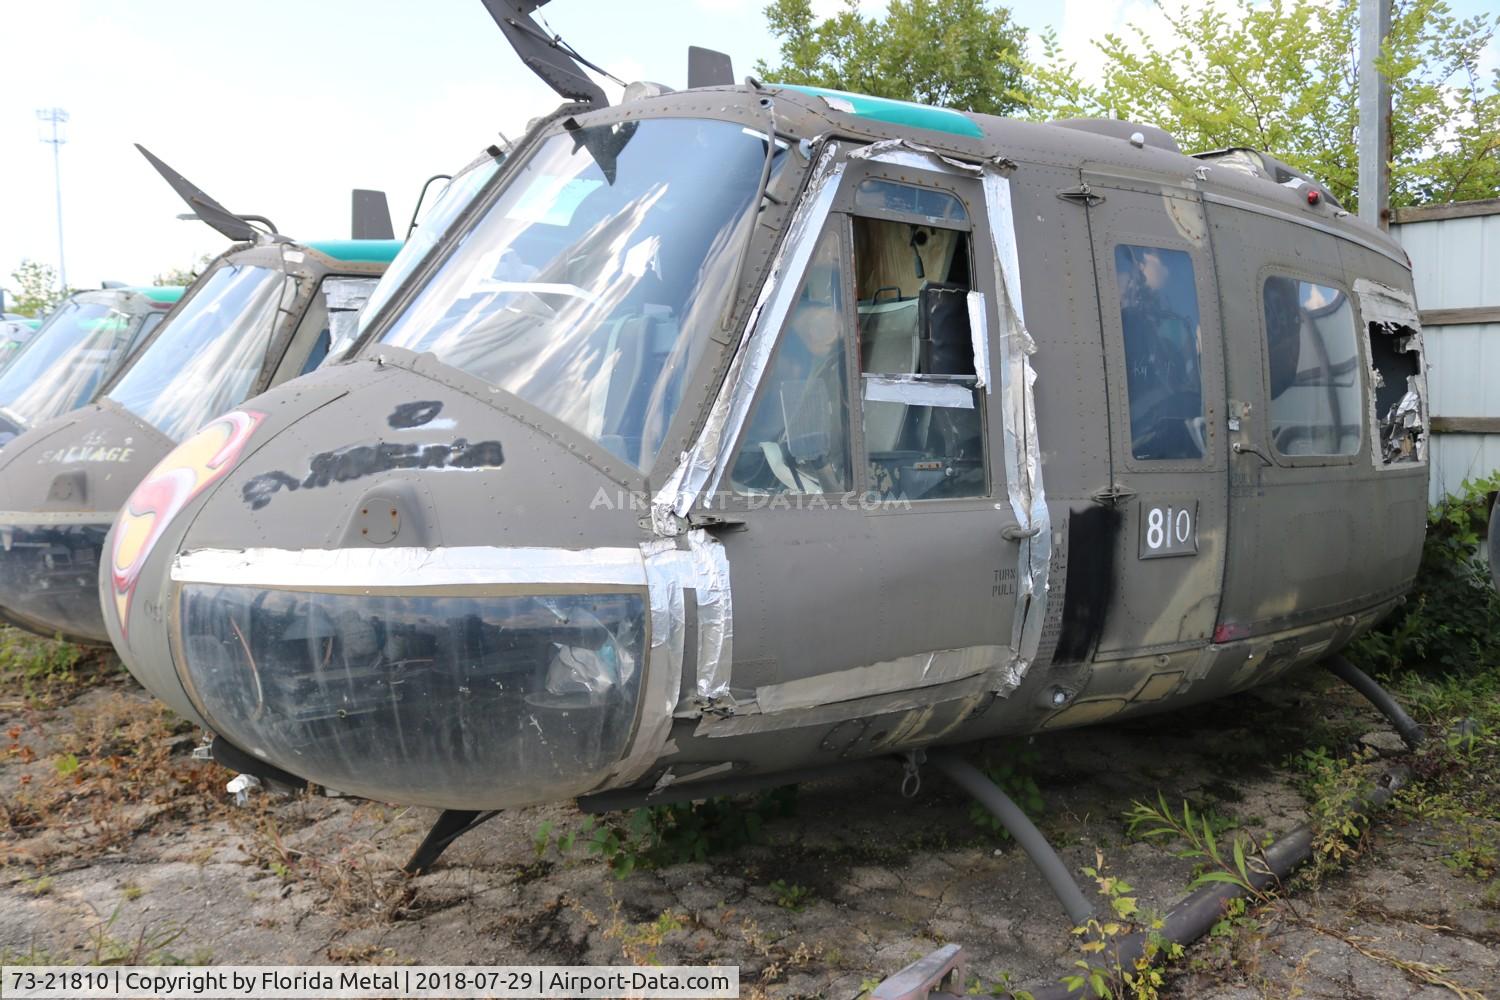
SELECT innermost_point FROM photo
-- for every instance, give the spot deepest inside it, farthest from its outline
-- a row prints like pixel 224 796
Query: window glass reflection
pixel 1163 355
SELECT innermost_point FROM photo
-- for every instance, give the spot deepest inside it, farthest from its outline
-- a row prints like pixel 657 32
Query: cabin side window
pixel 797 438
pixel 1312 368
pixel 1163 353
pixel 922 408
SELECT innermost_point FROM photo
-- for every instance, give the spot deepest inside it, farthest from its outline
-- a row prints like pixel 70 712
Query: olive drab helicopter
pixel 740 431
pixel 265 310
pixel 80 346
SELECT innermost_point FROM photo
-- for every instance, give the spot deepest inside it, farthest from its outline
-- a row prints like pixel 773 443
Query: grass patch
pixel 103 773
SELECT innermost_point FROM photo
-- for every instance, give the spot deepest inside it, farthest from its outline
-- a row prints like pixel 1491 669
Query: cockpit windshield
pixel 590 284
pixel 79 346
pixel 205 361
pixel 459 192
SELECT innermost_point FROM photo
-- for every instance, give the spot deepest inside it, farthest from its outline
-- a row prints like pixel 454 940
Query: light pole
pixel 1374 116
pixel 56 117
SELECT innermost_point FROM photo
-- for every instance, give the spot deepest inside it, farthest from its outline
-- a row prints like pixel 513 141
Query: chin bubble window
pixel 430 699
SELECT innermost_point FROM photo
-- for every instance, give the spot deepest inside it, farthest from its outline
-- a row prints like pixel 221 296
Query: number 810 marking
pixel 1169 530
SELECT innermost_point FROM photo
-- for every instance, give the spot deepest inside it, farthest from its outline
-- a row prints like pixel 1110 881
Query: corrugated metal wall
pixel 1455 255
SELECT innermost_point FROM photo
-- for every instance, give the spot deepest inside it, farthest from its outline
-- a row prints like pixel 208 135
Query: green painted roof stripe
pixel 383 251
pixel 904 113
pixel 160 293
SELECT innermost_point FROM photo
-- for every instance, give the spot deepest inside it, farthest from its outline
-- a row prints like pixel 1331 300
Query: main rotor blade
pixel 549 61
pixel 210 211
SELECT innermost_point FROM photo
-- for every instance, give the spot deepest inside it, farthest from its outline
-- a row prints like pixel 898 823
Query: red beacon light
pixel 1313 197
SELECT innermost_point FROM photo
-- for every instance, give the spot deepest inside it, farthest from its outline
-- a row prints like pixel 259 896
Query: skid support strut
pixel 972 780
pixel 1411 733
pixel 452 824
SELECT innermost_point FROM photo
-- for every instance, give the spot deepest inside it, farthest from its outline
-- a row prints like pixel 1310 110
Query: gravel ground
pixel 116 846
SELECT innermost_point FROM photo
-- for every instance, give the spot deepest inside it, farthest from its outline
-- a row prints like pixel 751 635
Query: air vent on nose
pixel 397 512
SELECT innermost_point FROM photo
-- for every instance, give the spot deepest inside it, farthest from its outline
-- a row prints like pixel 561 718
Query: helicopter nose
pixel 403 594
pixel 445 692
pixel 60 486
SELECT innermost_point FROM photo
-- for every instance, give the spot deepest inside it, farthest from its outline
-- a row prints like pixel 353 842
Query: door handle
pixel 1245 449
pixel 1016 533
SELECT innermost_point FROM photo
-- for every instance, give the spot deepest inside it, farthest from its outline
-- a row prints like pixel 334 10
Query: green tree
pixel 183 275
pixel 33 290
pixel 965 54
pixel 1283 76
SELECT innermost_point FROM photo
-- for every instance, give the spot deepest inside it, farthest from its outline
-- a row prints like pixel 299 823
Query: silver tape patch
pixel 917 392
pixel 385 568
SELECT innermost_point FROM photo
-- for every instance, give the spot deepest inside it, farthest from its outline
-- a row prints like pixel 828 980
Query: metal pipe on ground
pixel 1019 825
pixel 1185 923
pixel 1411 732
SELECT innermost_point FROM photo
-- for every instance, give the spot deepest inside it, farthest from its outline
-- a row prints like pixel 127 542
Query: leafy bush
pixel 657 836
pixel 1450 623
pixel 1012 766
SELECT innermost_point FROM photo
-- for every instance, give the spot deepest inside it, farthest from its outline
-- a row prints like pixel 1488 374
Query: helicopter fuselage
pixel 687 456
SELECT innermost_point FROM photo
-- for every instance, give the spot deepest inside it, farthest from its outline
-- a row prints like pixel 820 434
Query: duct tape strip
pixel 671 571
pixel 371 569
pixel 916 391
pixel 715 621
pixel 903 153
pixel 979 332
pixel 668 574
pixel 1380 303
pixel 1023 456
pixel 346 298
pixel 905 673
pixel 1003 238
pixel 704 463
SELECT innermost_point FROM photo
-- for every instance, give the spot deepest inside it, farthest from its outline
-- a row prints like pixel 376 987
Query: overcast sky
pixel 280 107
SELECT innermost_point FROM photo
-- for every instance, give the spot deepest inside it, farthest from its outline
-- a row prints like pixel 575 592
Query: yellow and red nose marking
pixel 191 468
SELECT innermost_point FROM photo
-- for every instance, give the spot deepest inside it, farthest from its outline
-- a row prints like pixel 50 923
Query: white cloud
pixel 1085 22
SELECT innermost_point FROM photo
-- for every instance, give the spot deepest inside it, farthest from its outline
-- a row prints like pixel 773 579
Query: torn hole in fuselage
pixel 1400 392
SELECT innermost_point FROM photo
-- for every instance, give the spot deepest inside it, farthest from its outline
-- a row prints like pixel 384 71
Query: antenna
pixel 205 208
pixel 548 56
pixel 707 68
pixel 371 216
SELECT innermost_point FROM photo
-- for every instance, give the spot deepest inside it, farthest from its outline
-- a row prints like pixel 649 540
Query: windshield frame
pixel 127 304
pixel 273 320
pixel 700 385
pixel 493 161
